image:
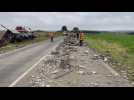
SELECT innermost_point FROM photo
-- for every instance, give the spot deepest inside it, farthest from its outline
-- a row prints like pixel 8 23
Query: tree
pixel 75 29
pixel 64 28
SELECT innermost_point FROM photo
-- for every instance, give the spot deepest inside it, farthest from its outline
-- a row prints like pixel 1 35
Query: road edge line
pixel 110 69
pixel 19 49
pixel 30 69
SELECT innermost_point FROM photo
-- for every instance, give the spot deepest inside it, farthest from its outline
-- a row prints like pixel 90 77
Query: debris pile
pixel 60 62
pixel 71 65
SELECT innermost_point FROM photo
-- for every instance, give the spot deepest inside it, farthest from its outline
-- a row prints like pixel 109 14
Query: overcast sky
pixel 83 20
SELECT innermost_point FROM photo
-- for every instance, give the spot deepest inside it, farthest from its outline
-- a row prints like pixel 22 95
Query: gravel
pixel 70 65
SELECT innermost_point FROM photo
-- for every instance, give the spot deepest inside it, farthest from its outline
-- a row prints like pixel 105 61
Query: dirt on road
pixel 70 65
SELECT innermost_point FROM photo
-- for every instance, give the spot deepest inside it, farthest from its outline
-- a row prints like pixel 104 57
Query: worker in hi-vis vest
pixel 81 38
pixel 51 35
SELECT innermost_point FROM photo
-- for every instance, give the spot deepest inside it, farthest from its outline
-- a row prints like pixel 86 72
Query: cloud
pixel 83 20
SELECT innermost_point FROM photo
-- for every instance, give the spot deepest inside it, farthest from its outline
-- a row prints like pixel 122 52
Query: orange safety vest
pixel 81 36
pixel 51 34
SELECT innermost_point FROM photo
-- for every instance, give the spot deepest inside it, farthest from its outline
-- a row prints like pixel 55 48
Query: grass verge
pixel 119 47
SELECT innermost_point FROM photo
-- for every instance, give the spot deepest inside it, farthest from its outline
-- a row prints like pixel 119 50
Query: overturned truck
pixel 14 36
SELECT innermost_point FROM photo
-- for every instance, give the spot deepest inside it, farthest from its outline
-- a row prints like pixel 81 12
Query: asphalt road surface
pixel 13 64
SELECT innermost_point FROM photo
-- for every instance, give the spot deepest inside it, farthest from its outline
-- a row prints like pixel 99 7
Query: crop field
pixel 120 47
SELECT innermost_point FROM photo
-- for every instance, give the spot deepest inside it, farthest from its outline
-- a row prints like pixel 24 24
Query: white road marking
pixel 26 72
pixel 110 69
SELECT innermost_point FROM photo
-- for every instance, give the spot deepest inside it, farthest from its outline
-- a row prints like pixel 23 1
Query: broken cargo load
pixel 14 36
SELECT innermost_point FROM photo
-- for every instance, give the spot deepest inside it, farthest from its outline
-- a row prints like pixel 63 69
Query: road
pixel 87 71
pixel 15 63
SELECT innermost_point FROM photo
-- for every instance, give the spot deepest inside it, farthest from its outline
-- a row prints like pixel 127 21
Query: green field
pixel 118 46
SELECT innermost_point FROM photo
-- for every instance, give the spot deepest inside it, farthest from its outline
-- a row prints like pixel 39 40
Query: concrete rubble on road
pixel 73 66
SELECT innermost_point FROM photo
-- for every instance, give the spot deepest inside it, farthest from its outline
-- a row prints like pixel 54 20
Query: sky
pixel 55 20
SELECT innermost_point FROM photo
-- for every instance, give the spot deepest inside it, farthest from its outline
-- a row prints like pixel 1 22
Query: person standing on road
pixel 81 39
pixel 51 34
